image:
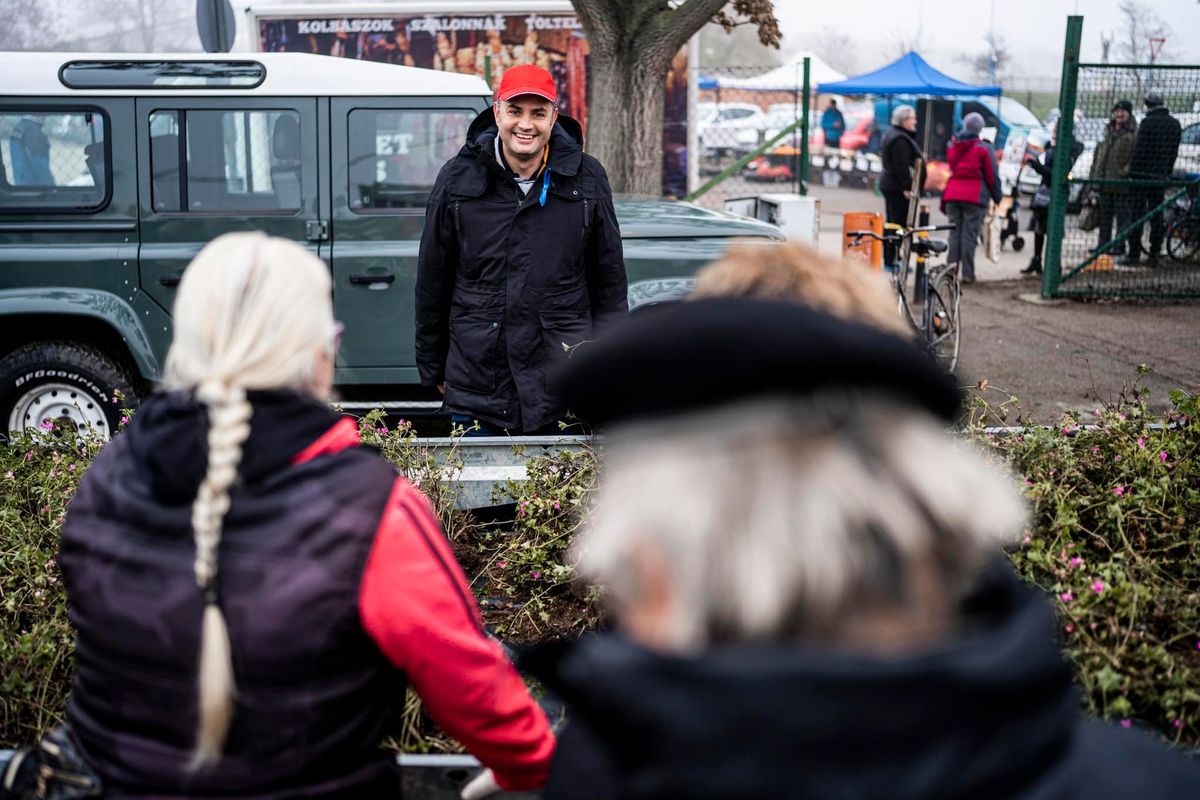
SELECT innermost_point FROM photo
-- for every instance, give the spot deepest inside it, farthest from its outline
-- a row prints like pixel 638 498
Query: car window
pixel 225 162
pixel 53 161
pixel 737 113
pixel 1016 114
pixel 1191 134
pixel 395 155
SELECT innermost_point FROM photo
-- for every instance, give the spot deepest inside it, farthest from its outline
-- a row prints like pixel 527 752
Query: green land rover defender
pixel 115 171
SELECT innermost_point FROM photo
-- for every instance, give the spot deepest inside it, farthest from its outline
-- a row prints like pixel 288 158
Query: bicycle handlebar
pixel 902 235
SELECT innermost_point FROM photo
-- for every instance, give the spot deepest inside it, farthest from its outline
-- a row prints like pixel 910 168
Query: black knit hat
pixel 697 355
pixel 1126 105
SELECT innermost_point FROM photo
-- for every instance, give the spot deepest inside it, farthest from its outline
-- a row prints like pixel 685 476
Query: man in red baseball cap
pixel 520 261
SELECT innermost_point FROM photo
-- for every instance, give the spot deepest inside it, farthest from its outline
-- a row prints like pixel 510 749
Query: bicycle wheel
pixel 1183 239
pixel 942 323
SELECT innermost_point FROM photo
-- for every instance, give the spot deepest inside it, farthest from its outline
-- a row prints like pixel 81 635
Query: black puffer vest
pixel 314 694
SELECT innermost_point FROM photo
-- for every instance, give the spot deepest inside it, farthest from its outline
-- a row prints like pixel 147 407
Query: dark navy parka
pixel 507 284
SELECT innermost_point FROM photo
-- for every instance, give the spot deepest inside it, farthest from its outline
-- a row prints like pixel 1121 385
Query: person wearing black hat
pixel 804 571
pixel 1111 163
pixel 1154 152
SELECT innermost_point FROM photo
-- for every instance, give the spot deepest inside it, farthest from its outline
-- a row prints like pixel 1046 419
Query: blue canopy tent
pixel 909 74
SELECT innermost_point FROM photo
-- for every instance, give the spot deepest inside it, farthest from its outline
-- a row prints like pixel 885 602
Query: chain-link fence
pixel 1125 212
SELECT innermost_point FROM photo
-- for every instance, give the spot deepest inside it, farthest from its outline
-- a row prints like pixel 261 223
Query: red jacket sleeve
pixel 415 603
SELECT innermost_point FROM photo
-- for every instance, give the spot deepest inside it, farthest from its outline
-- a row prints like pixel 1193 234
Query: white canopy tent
pixel 785 78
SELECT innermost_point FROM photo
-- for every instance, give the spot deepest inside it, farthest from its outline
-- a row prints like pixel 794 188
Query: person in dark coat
pixel 252 591
pixel 822 609
pixel 1040 205
pixel 520 261
pixel 1154 154
pixel 1111 162
pixel 974 182
pixel 899 152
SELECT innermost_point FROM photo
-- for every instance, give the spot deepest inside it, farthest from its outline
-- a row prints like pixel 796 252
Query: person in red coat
pixel 972 184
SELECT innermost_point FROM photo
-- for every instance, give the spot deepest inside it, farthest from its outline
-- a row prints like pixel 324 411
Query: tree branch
pixel 686 19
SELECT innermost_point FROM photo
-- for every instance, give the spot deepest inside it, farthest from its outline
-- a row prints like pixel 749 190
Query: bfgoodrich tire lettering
pixel 67 383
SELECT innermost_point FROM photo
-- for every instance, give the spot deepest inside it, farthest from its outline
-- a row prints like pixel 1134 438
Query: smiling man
pixel 520 261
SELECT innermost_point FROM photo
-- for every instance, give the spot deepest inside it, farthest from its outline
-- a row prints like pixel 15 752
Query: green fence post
pixel 804 130
pixel 1056 216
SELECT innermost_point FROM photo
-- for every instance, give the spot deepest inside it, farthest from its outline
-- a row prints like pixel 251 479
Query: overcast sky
pixel 1034 29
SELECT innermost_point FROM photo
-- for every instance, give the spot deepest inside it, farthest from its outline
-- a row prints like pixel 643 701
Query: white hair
pixel 252 312
pixel 901 113
pixel 785 522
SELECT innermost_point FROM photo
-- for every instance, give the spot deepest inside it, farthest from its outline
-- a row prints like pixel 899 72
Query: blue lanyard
pixel 545 186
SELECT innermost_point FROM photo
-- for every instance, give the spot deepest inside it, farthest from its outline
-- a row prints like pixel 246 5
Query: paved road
pixel 1066 354
pixel 1054 356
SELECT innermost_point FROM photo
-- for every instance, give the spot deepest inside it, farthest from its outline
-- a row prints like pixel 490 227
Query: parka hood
pixel 986 714
pixel 168 439
pixel 566 141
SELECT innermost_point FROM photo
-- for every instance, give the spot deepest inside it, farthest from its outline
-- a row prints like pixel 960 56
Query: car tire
pixel 64 383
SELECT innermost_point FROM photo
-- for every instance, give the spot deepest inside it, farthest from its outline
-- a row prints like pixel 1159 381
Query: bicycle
pixel 1183 231
pixel 941 288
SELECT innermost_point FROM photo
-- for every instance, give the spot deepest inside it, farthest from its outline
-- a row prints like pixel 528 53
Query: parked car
pixel 337 154
pixel 732 128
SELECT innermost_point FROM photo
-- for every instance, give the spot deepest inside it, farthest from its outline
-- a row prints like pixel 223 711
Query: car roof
pixel 286 74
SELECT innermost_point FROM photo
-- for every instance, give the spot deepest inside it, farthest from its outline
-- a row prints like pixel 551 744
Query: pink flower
pixel 537 576
pixel 1126 723
pixel 1028 482
pixel 501 563
pixel 29 456
pixel 1163 456
pixel 557 505
pixel 1141 443
pixel 1121 417
pixel 1068 628
pixel 46 425
pixel 1095 449
pixel 8 475
pixel 1098 587
pixel 1075 561
pixel 1029 539
pixel 71 468
pixel 1177 724
pixel 1066 597
pixel 1117 459
pixel 1118 490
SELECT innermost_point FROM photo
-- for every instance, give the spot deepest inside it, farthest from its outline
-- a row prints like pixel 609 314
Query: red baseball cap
pixel 527 79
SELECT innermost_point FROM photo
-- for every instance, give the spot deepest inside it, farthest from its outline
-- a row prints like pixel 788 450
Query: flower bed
pixel 1113 539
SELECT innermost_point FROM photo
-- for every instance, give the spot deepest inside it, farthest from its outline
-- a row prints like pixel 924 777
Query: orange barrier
pixel 868 251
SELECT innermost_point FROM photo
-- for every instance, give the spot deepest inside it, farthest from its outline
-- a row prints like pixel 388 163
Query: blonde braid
pixel 229 425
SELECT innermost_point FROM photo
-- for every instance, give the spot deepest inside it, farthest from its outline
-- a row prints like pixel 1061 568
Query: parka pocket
pixel 563 331
pixel 474 349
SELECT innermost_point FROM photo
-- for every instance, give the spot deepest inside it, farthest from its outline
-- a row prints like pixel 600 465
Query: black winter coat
pixel 989 714
pixel 1156 146
pixel 899 153
pixel 506 285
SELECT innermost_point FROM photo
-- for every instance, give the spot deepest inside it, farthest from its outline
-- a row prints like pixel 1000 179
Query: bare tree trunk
pixel 625 126
pixel 632 44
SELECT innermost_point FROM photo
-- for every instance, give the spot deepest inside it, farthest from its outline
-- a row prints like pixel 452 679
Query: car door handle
pixel 369 279
pixel 169 280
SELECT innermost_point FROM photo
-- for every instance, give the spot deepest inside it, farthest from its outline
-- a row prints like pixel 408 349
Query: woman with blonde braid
pixel 252 590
